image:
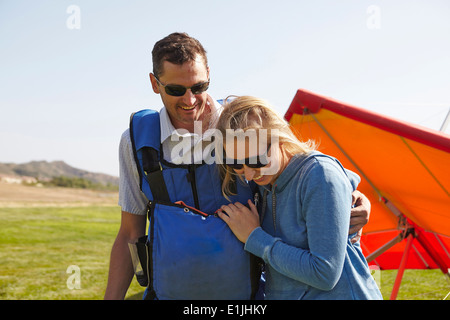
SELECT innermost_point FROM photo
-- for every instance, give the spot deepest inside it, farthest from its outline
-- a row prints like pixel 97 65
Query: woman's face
pixel 247 155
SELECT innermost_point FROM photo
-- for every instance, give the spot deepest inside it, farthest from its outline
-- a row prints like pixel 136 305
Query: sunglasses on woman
pixel 255 162
pixel 178 91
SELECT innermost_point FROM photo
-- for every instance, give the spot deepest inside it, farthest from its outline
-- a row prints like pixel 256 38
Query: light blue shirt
pixel 304 239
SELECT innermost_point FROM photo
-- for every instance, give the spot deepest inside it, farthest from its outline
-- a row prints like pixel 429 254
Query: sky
pixel 72 72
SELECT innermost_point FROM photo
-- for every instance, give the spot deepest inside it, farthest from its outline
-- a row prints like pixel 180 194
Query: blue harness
pixel 191 253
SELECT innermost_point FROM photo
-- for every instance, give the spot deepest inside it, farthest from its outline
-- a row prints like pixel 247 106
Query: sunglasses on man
pixel 255 162
pixel 179 91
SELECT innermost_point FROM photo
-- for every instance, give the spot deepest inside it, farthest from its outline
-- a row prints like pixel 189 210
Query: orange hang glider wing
pixel 405 173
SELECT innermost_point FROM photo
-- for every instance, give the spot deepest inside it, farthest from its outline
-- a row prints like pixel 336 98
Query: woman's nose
pixel 249 173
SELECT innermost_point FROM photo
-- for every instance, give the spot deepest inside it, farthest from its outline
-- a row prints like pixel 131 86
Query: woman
pixel 302 234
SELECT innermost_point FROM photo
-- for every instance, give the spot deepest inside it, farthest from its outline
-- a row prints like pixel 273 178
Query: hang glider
pixel 405 172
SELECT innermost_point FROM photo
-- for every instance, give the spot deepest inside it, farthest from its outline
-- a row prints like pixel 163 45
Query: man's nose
pixel 189 98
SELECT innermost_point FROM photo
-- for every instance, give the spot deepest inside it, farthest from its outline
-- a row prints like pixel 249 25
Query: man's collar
pixel 166 125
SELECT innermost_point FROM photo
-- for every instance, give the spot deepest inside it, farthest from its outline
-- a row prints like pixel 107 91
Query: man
pixel 181 77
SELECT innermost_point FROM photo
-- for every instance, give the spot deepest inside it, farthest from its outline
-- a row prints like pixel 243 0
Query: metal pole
pixel 401 268
pixel 384 248
pixel 446 122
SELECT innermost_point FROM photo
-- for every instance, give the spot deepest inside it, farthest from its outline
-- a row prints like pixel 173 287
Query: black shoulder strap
pixel 153 173
pixel 152 169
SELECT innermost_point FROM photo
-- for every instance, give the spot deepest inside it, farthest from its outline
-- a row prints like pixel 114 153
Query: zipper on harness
pixel 194 210
pixel 182 205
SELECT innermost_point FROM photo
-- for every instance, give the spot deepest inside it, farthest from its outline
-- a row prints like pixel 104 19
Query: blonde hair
pixel 248 112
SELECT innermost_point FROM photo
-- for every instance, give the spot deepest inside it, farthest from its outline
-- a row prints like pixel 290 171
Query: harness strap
pixel 152 169
pixel 154 175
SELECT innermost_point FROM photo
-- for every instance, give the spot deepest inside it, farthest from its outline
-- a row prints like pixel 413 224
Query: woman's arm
pixel 325 201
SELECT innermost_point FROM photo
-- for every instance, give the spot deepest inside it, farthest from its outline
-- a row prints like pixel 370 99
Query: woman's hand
pixel 241 220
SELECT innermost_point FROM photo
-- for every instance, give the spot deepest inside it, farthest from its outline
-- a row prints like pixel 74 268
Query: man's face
pixel 186 109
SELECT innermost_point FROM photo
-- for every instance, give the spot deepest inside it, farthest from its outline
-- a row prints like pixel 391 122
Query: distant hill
pixel 44 170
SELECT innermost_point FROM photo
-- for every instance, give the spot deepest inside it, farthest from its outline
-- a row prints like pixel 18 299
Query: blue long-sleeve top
pixel 303 238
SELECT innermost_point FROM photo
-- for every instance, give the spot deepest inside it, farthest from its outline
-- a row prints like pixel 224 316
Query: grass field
pixel 38 244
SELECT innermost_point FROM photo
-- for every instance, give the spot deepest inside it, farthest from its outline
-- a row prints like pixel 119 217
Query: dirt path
pixel 16 195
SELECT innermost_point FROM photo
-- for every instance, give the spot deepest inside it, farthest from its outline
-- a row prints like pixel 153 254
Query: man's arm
pixel 120 267
pixel 360 207
pixel 134 204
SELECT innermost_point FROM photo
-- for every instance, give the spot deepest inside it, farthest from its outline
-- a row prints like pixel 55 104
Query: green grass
pixel 37 245
pixel 416 284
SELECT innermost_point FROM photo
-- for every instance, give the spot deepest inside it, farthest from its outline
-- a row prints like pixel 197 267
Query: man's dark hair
pixel 176 48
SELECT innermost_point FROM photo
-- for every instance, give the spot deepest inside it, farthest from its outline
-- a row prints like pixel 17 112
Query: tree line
pixel 81 183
